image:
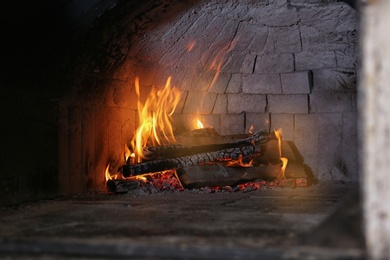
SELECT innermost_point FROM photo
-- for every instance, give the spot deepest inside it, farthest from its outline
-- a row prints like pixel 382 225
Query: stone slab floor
pixel 318 222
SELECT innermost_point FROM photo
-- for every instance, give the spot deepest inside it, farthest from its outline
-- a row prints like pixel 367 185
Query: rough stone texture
pixel 334 79
pixel 289 104
pixel 260 122
pixel 199 103
pixel 251 103
pixel 350 146
pixel 221 103
pixel 315 60
pixel 274 63
pixel 232 124
pixel 261 84
pixel 330 101
pixel 296 83
pixel 286 122
pixel 375 127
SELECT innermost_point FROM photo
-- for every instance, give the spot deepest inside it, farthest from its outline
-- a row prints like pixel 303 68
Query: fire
pixel 284 161
pixel 199 124
pixel 108 176
pixel 155 118
pixel 240 163
pixel 279 135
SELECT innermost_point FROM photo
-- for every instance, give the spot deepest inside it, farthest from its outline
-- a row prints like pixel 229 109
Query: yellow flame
pixel 127 153
pixel 283 170
pixel 199 124
pixel 107 173
pixel 279 135
pixel 155 117
pixel 251 128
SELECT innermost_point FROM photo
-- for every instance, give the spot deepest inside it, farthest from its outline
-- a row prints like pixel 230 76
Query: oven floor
pixel 317 222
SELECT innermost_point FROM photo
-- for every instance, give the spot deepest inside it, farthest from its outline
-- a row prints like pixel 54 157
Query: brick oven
pixel 266 64
pixel 270 64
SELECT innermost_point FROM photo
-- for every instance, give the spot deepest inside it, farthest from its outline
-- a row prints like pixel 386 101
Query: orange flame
pixel 155 118
pixel 283 170
pixel 239 163
pixel 107 173
pixel 191 45
pixel 279 135
pixel 127 153
pixel 199 124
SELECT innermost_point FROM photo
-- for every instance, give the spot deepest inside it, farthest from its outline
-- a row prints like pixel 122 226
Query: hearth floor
pixel 270 223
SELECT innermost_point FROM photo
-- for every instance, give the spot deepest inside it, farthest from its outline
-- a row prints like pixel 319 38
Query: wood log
pixel 220 175
pixel 172 163
pixel 180 150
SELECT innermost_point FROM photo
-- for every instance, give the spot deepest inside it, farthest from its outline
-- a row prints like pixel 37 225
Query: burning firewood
pixel 179 150
pixel 179 162
pixel 220 175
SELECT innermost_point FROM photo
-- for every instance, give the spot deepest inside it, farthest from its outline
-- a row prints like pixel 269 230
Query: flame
pixel 279 135
pixel 251 128
pixel 127 153
pixel 191 45
pixel 199 124
pixel 239 163
pixel 155 118
pixel 107 173
pixel 283 170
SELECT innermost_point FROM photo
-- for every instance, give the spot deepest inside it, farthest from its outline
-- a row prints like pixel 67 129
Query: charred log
pixel 178 150
pixel 219 175
pixel 192 160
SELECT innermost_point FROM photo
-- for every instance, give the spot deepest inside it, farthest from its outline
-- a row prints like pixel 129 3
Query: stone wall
pixel 289 64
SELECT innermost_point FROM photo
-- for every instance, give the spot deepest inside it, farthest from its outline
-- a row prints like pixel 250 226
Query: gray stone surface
pixel 284 121
pixel 261 84
pixel 221 103
pixel 334 79
pixel 274 63
pixel 232 124
pixel 251 103
pixel 199 102
pixel 260 122
pixel 315 60
pixel 296 82
pixel 330 101
pixel 288 104
pixel 270 223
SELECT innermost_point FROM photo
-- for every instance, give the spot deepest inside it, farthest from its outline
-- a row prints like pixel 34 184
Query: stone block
pixel 306 140
pixel 274 15
pixel 274 63
pixel 260 122
pixel 220 106
pixel 288 104
pixel 232 124
pixel 330 165
pixel 244 36
pixel 199 102
pixel 330 101
pixel 234 85
pixel 259 40
pixel 287 39
pixel 347 58
pixel 248 65
pixel 249 103
pixel 219 83
pixel 334 79
pixel 296 82
pixel 261 84
pixel 315 60
pixel 286 123
pixel 233 62
pixel 315 39
pixel 350 146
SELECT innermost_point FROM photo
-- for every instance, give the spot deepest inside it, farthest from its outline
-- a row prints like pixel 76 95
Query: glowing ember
pixel 239 163
pixel 199 124
pixel 155 118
